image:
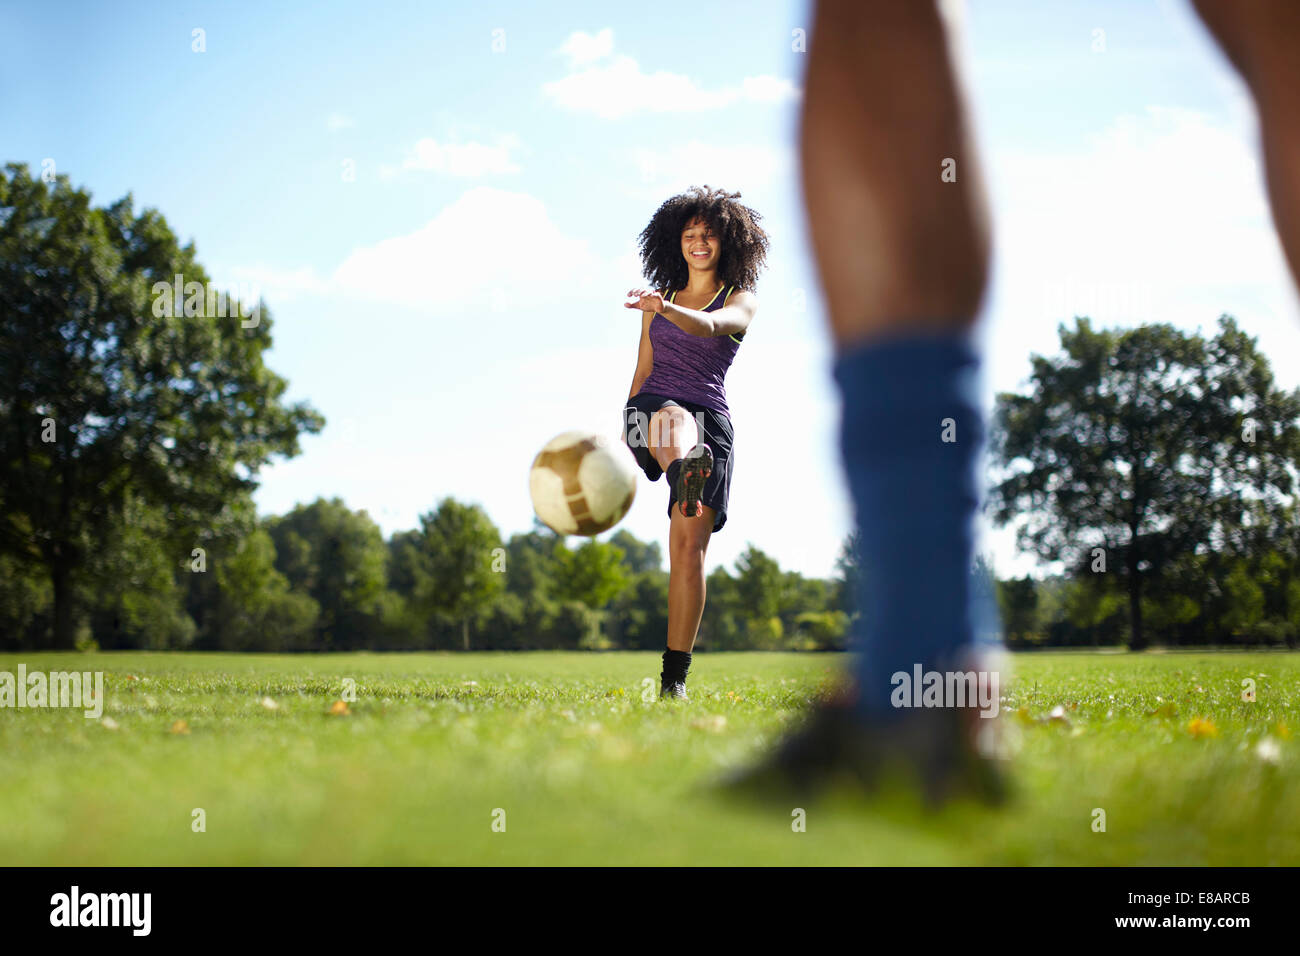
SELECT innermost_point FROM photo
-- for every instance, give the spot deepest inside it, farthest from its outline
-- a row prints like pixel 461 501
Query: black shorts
pixel 715 431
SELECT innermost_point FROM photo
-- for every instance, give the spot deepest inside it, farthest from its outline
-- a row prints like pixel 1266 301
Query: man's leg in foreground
pixel 900 229
pixel 902 251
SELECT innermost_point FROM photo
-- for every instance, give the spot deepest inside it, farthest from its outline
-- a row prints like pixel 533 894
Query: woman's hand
pixel 644 300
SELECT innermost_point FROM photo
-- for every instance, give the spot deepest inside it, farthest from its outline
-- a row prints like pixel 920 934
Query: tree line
pixel 323 578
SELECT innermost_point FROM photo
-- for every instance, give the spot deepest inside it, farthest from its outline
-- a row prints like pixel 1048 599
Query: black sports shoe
pixel 936 746
pixel 676 689
pixel 695 470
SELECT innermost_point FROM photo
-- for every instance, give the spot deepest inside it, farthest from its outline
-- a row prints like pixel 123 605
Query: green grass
pixel 588 773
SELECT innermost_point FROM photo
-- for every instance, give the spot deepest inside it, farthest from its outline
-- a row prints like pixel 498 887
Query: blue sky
pixel 439 202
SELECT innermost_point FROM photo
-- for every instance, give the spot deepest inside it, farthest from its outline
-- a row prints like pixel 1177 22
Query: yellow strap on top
pixel 732 336
pixel 672 297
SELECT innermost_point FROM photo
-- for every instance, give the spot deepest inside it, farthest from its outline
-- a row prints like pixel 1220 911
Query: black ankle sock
pixel 676 664
pixel 672 471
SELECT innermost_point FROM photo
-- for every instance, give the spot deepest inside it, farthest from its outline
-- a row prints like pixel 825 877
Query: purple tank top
pixel 691 367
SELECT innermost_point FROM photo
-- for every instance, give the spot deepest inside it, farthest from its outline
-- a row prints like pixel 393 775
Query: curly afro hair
pixel 744 243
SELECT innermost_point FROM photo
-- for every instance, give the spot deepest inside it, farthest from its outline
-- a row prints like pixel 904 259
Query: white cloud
pixel 490 250
pixel 1161 219
pixel 618 87
pixel 463 160
pixel 276 285
pixel 583 48
pixel 768 89
pixel 489 247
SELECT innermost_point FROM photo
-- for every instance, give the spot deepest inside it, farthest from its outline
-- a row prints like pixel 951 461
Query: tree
pixel 639 556
pixel 1018 603
pixel 454 574
pixel 254 607
pixel 530 564
pixel 133 585
pixel 722 625
pixel 338 558
pixel 758 583
pixel 591 574
pixel 640 613
pixel 24 603
pixel 1137 448
pixel 849 566
pixel 106 393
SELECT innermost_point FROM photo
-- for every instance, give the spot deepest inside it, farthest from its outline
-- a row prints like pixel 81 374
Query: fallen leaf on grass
pixel 109 723
pixel 269 704
pixel 339 709
pixel 1200 727
pixel 180 727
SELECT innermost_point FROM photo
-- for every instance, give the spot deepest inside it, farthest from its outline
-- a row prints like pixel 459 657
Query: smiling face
pixel 700 245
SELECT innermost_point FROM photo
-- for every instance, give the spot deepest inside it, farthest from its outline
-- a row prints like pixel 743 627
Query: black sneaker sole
pixel 696 469
pixel 831 746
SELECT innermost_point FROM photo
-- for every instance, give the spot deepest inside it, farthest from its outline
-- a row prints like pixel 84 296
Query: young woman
pixel 703 251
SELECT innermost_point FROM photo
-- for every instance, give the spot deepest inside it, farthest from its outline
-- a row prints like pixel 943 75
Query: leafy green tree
pixel 849 567
pixel 1245 600
pixel 1149 444
pixel 132 584
pixel 255 609
pixel 337 557
pixel 639 556
pixel 591 574
pixel 105 394
pixel 820 631
pixel 1092 607
pixel 764 633
pixel 759 584
pixel 530 563
pixel 1018 604
pixel 806 612
pixel 454 569
pixel 24 603
pixel 403 551
pixel 722 627
pixel 639 617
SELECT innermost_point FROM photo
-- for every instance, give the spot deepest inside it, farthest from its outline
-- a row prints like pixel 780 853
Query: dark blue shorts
pixel 715 431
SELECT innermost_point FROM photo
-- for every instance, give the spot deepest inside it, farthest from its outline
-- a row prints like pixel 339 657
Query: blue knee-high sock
pixel 914 495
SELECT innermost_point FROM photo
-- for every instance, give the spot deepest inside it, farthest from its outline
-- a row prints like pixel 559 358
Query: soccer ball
pixel 582 483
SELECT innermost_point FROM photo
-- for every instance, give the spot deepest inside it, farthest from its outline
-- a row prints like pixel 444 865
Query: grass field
pixel 586 772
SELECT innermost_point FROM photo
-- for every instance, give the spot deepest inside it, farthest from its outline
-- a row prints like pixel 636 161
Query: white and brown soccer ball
pixel 582 483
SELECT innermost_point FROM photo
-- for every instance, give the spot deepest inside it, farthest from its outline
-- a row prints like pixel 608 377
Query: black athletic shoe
pixel 695 470
pixel 937 748
pixel 676 690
